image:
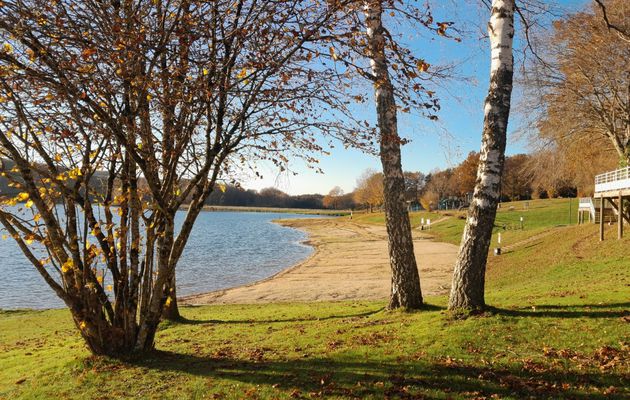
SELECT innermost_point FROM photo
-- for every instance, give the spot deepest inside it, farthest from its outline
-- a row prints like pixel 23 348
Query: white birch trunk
pixel 468 286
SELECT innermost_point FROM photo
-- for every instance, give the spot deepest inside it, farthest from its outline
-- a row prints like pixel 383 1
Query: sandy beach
pixel 350 261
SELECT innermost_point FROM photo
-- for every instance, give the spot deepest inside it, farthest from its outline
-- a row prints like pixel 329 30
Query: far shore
pixel 350 262
pixel 305 211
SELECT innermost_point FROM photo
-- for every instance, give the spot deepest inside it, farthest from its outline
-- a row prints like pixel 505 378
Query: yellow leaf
pixel 109 288
pixel 37 217
pixel 99 279
pixel 67 266
pixel 7 48
pixel 29 241
pixel 222 187
pixel 29 204
pixel 205 71
pixel 4 237
pixel 22 196
pixel 242 74
pixel 333 54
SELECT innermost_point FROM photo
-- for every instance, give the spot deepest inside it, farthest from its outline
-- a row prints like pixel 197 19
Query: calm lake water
pixel 225 249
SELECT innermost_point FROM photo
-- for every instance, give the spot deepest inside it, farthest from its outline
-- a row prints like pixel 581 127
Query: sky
pixel 433 145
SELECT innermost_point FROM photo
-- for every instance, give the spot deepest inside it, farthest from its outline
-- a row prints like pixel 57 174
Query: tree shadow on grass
pixel 610 310
pixel 420 379
pixel 277 320
pixel 425 307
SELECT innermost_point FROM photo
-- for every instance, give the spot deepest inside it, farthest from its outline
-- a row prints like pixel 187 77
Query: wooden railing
pixel 613 180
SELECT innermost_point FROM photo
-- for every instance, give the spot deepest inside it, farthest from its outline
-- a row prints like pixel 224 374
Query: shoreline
pixel 349 262
pixel 275 210
pixel 307 242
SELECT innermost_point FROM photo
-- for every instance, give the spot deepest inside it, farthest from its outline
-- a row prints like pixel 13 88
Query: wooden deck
pixel 613 188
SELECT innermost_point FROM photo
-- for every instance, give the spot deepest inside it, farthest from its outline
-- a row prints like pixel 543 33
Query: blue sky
pixel 433 144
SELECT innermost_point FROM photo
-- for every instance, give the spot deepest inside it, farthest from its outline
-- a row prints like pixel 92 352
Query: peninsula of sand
pixel 350 261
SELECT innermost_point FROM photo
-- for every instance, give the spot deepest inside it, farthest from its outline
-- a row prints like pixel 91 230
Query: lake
pixel 225 249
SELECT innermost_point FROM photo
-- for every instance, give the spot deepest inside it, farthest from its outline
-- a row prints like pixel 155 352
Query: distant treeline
pixel 232 196
pixel 269 197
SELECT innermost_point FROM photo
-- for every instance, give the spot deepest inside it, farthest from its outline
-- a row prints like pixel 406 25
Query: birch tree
pixel 116 114
pixel 405 284
pixel 403 81
pixel 467 291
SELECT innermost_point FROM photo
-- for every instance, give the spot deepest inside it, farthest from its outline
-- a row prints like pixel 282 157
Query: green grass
pixel 558 329
pixel 538 216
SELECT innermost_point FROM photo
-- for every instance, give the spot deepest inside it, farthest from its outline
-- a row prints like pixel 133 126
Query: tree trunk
pixel 467 291
pixel 171 310
pixel 405 278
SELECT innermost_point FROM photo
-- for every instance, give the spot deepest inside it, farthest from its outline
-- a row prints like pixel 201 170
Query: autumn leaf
pixel 87 53
pixel 442 26
pixel 422 66
pixel 333 54
pixel 242 74
pixel 22 196
pixel 67 266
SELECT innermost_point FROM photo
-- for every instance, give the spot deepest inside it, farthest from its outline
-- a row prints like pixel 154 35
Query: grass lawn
pixel 560 328
pixel 538 216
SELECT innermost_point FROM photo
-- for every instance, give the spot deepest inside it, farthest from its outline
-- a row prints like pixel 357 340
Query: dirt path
pixel 350 262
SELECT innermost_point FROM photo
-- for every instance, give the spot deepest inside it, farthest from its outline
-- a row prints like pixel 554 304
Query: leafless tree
pixel 118 113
